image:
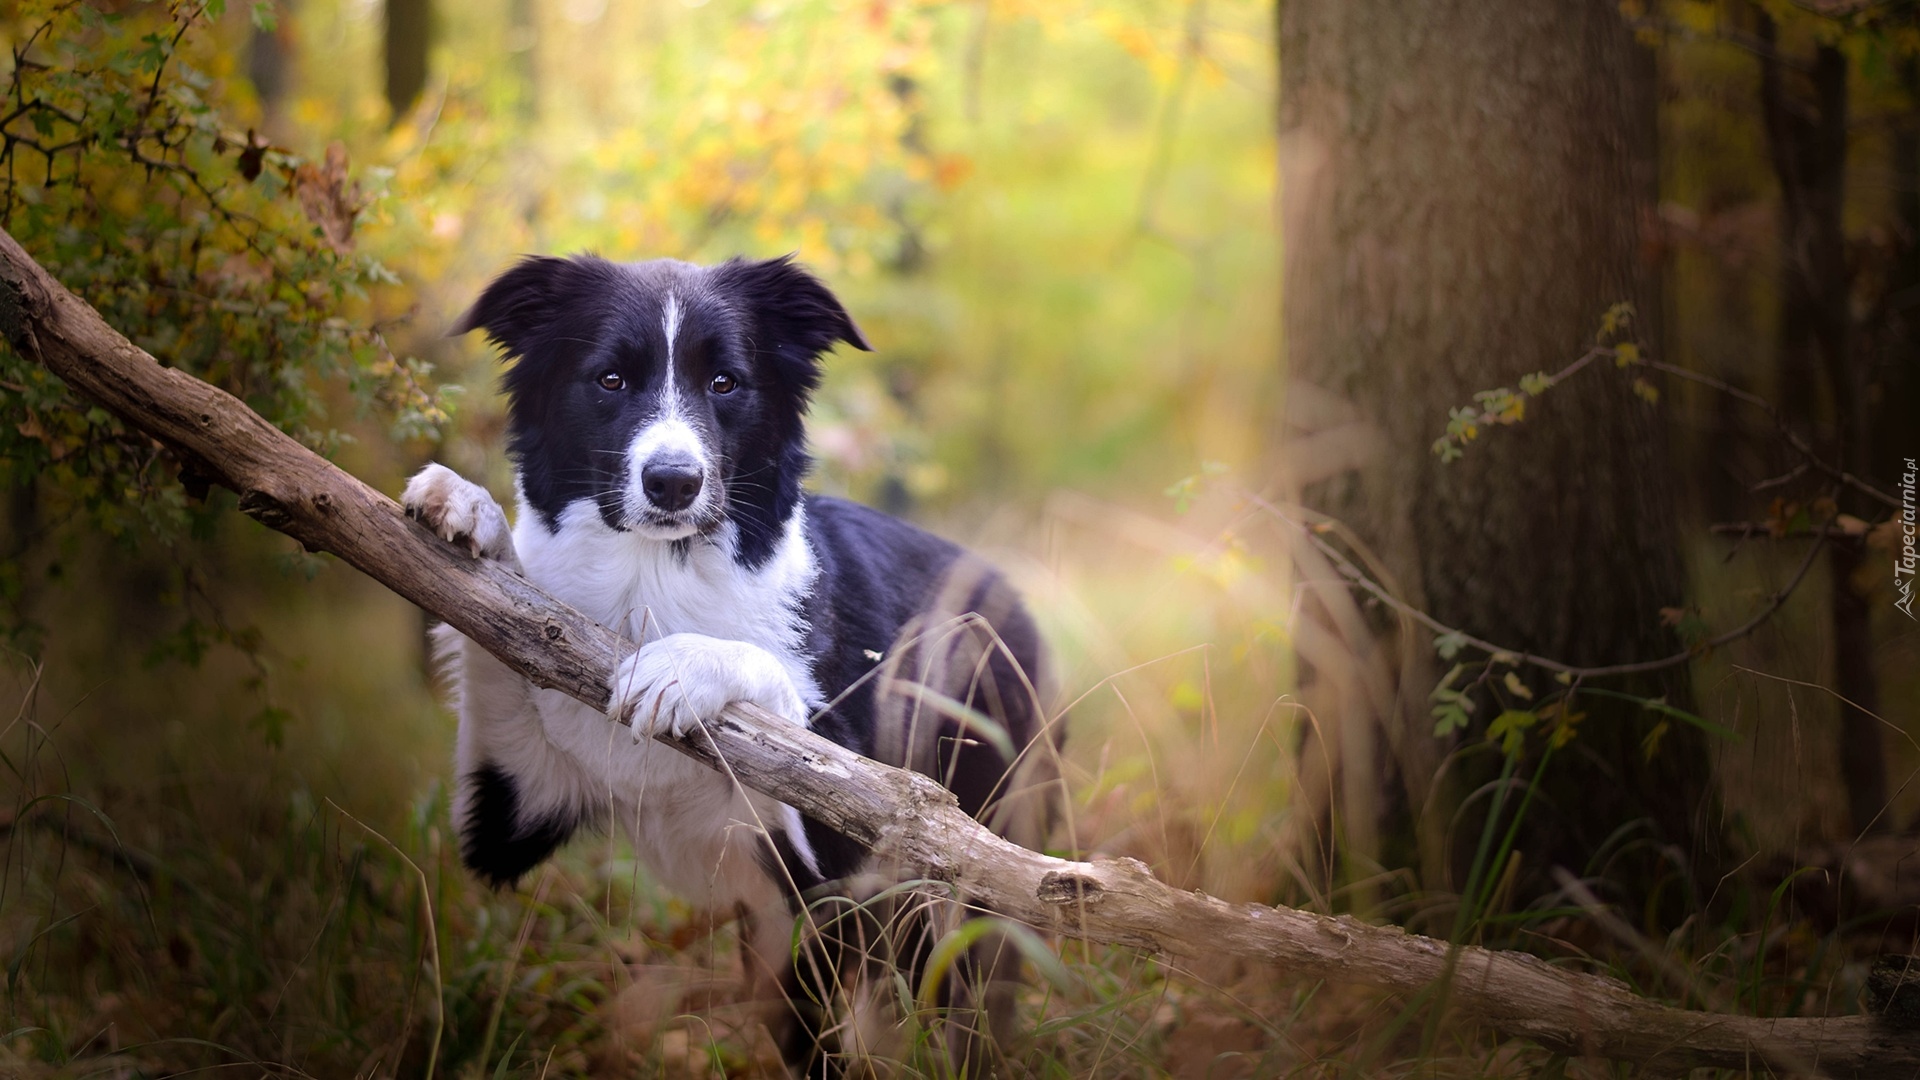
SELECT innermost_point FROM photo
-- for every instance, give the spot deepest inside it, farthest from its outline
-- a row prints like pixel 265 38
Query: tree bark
pixel 409 37
pixel 1463 184
pixel 904 817
pixel 270 55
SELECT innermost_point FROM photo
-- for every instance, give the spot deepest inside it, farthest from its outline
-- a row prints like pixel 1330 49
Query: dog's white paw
pixel 681 681
pixel 459 511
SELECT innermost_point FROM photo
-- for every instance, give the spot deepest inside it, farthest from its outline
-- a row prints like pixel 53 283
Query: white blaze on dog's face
pixel 669 396
pixel 672 486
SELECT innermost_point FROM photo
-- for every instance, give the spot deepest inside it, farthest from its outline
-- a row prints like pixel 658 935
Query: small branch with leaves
pixel 1451 639
pixel 1818 520
pixel 1502 406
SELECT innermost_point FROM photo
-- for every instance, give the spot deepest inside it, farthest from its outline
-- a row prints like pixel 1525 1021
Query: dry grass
pixel 179 897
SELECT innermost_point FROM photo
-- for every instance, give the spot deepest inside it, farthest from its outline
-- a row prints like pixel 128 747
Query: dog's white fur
pixel 712 633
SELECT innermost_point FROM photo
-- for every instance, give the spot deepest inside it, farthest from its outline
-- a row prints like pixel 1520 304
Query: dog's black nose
pixel 671 485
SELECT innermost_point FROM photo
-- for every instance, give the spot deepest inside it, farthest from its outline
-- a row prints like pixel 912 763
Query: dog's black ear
pixel 525 301
pixel 795 316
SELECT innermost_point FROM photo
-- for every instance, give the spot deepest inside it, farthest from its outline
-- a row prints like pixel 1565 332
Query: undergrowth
pixel 145 935
pixel 179 895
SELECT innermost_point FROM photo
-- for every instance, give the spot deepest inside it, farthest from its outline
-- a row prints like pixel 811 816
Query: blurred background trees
pixel 1064 225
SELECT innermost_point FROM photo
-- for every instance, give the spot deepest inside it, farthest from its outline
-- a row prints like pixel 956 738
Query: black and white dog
pixel 655 417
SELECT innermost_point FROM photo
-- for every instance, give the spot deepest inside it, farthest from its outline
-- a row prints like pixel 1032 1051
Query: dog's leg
pixel 461 512
pixel 842 940
pixel 977 645
pixel 682 681
pixel 519 798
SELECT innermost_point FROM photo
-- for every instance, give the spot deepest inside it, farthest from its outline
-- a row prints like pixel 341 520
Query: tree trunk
pixel 409 36
pixel 1463 186
pixel 1898 342
pixel 1806 124
pixel 270 54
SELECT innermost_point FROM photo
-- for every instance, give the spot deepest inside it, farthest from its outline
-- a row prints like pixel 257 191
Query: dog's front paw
pixel 684 680
pixel 459 511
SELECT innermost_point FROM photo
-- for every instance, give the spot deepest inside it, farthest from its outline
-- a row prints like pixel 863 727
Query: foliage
pixel 978 183
pixel 1503 406
pixel 224 256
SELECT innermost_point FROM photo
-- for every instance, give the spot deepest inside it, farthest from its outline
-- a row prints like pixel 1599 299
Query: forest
pixel 1461 458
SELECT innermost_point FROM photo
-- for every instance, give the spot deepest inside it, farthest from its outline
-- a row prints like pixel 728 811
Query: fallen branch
pixel 905 817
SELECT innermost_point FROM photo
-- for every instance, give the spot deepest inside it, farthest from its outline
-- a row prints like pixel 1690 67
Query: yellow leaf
pixel 1568 727
pixel 1650 745
pixel 1517 688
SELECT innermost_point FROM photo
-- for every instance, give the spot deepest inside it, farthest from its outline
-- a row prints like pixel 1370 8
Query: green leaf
pixel 1510 729
pixel 948 950
pixel 272 722
pixel 1449 645
pixel 1449 718
pixel 1650 744
pixel 1660 706
pixel 500 1070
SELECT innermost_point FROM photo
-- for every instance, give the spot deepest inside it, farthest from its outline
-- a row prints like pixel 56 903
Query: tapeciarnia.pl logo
pixel 1904 560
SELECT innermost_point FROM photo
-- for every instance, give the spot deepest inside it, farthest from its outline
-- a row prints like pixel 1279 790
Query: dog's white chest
pixel 647 589
pixel 686 822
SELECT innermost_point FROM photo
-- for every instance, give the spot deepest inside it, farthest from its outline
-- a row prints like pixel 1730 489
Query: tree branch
pixel 1517 657
pixel 905 817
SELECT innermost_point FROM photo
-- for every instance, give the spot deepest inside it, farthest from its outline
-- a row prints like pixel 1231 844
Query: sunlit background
pixel 1056 225
pixel 226 783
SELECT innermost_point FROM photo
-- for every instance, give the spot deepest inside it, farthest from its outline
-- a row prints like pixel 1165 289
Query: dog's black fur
pixel 607 359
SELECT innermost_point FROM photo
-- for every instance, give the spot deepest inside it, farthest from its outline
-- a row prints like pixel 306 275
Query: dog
pixel 656 423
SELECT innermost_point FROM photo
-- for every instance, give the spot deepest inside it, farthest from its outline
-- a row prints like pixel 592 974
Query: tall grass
pixel 179 896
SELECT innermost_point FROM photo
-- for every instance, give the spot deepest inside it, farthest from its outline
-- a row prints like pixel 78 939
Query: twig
pixel 1747 530
pixel 1783 479
pixel 1850 703
pixel 1785 431
pixel 1790 436
pixel 1520 656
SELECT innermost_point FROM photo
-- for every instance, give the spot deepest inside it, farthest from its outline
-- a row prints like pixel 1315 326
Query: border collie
pixel 655 419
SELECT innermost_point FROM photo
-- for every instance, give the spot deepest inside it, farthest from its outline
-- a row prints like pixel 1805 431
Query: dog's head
pixel 670 396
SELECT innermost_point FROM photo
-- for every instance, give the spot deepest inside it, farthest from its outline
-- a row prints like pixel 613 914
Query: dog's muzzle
pixel 671 482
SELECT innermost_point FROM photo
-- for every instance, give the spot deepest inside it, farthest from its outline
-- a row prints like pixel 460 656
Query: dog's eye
pixel 612 381
pixel 723 383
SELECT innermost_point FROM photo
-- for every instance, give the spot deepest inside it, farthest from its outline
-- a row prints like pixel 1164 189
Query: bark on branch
pixel 904 816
